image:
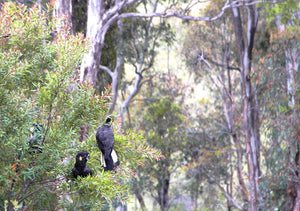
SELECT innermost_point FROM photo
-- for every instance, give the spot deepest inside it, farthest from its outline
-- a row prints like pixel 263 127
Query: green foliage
pixel 132 150
pixel 39 84
pixel 279 116
pixel 163 118
pixel 278 127
pixel 285 10
pixel 79 18
pixel 162 124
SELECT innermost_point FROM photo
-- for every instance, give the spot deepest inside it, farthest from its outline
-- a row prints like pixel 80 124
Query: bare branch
pixel 201 58
pixel 228 197
pixel 150 77
pixel 151 2
pixel 114 12
pixel 206 58
pixel 227 6
pixel 139 70
pixel 116 8
pixel 106 69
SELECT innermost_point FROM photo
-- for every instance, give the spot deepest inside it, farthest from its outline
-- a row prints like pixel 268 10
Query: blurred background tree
pixel 162 124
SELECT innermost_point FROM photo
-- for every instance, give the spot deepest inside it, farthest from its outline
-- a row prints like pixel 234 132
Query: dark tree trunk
pixel 141 200
pixel 163 191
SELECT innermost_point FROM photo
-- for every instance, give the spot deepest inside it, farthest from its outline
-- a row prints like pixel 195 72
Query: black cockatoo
pixel 105 141
pixel 80 167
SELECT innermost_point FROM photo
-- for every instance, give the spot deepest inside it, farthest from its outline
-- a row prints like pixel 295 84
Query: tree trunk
pixel 239 168
pixel 163 191
pixel 141 200
pixel 126 102
pixel 96 34
pixel 228 110
pixel 293 190
pixel 64 8
pixel 116 75
pixel 291 68
pixel 163 195
pixel 99 20
pixel 250 106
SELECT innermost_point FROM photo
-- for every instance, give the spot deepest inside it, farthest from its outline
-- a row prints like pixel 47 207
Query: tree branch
pixel 228 197
pixel 206 58
pixel 113 14
pixel 106 69
pixel 35 191
pixel 227 6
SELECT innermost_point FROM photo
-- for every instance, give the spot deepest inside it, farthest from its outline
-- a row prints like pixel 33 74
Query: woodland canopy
pixel 204 95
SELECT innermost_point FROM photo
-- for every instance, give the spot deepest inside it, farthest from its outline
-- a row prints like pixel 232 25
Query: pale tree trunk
pixel 63 8
pixel 116 79
pixel 96 34
pixel 116 74
pixel 290 57
pixel 251 122
pixel 292 68
pixel 99 20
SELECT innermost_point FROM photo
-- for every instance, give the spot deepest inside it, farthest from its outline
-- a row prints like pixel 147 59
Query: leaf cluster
pixel 285 10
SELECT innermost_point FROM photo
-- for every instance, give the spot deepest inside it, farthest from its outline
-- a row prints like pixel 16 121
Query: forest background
pixel 205 98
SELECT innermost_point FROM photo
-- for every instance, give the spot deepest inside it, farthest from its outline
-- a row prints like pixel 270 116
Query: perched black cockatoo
pixel 105 141
pixel 35 141
pixel 80 167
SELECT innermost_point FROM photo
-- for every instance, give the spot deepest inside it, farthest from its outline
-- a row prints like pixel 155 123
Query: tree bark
pixel 96 34
pixel 250 106
pixel 99 20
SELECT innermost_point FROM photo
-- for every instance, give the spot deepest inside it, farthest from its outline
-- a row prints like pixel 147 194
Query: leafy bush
pixel 39 85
